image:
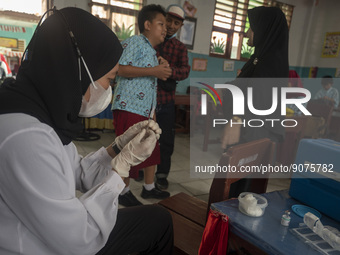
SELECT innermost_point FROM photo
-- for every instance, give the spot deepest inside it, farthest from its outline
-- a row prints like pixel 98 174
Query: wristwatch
pixel 115 148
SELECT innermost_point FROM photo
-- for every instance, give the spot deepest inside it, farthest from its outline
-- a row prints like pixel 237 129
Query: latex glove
pixel 153 125
pixel 135 152
pixel 132 131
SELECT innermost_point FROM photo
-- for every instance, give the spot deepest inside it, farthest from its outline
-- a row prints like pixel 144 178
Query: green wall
pixel 19 35
pixel 215 74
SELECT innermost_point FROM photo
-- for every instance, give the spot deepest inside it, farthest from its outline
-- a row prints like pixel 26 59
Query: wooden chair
pixel 319 108
pixel 286 151
pixel 185 107
pixel 255 153
pixel 334 130
pixel 189 213
pixel 213 112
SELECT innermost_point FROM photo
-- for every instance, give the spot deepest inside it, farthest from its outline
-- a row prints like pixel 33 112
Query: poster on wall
pixel 199 64
pixel 9 42
pixel 228 66
pixel 187 32
pixel 331 45
pixel 189 8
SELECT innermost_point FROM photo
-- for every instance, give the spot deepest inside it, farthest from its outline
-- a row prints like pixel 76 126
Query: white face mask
pixel 100 98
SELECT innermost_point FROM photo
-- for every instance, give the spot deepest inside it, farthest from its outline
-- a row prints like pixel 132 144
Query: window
pixel 230 24
pixel 120 16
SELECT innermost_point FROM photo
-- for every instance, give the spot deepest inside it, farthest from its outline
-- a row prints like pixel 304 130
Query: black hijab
pixel 48 85
pixel 270 60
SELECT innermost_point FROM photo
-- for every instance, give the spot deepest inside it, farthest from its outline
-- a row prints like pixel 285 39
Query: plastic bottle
pixel 285 220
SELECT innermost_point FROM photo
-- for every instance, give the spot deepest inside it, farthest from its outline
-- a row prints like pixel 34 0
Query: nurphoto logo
pixel 238 106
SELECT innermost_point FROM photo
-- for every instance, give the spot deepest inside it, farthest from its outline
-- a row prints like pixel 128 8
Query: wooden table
pixel 265 235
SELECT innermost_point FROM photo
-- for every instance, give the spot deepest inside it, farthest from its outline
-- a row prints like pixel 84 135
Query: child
pixel 328 92
pixel 135 94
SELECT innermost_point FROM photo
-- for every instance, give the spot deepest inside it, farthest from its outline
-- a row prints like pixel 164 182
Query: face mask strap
pixel 74 41
pixel 88 72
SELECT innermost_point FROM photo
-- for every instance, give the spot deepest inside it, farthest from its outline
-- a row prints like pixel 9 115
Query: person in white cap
pixel 176 54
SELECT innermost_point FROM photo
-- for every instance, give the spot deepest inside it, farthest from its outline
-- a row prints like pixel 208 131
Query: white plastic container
pixel 252 204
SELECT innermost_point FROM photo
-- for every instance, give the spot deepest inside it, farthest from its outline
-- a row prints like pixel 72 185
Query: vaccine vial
pixel 285 220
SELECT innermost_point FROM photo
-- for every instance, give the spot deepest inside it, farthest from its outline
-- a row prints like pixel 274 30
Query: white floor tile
pixel 197 187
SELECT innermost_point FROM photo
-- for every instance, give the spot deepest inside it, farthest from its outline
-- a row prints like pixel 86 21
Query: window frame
pixel 230 31
pixel 111 9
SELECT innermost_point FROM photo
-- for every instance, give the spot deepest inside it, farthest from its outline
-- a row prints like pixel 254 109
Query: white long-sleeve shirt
pixel 39 211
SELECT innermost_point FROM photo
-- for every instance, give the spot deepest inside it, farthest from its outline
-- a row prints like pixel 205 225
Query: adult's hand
pixel 135 152
pixel 132 131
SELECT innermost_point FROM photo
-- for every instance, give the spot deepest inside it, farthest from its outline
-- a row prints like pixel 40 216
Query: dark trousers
pixel 165 117
pixel 144 229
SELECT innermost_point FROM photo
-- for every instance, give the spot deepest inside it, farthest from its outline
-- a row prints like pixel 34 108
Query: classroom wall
pixel 311 20
pixel 298 31
pixel 326 19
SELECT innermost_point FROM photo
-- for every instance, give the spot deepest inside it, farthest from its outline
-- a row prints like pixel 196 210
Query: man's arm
pixel 182 69
pixel 162 71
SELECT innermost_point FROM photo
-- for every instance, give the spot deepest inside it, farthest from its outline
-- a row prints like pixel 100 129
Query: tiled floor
pixel 179 177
